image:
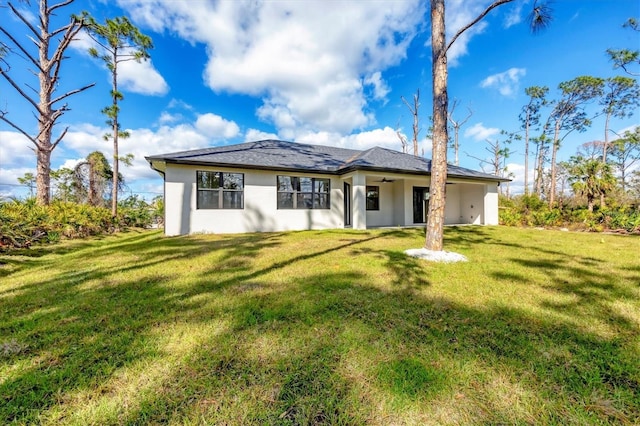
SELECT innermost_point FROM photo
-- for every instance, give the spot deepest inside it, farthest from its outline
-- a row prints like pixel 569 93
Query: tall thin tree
pixel 120 41
pixel 539 18
pixel 625 153
pixel 44 49
pixel 530 117
pixel 627 58
pixel 621 99
pixel 568 115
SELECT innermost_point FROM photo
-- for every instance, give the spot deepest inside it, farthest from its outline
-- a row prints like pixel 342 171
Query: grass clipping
pixel 435 255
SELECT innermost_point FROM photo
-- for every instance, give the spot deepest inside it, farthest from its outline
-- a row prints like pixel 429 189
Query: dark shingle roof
pixel 281 155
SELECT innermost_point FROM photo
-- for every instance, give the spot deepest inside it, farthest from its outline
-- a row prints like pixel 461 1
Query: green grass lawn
pixel 330 327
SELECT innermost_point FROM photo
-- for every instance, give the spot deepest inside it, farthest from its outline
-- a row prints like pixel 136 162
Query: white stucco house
pixel 275 185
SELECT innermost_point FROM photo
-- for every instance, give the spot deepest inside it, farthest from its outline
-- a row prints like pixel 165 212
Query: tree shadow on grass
pixel 419 350
pixel 82 321
pixel 322 347
pixel 466 236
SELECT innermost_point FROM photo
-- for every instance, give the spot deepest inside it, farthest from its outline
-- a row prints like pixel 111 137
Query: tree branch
pixel 33 29
pixel 72 30
pixel 22 93
pixel 71 92
pixel 59 138
pixel 15 126
pixel 22 49
pixel 475 21
pixel 59 5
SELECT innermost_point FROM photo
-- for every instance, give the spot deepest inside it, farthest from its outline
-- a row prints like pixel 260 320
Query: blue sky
pixel 328 72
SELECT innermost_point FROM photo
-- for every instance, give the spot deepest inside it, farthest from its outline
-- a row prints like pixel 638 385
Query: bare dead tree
pixel 403 140
pixel 416 125
pixel 591 150
pixel 457 124
pixel 47 59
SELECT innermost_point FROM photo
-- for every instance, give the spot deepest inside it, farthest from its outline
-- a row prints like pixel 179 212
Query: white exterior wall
pixel 384 216
pixel 472 203
pixel 491 204
pixel 359 201
pixel 452 213
pixel 469 203
pixel 260 213
pixel 399 206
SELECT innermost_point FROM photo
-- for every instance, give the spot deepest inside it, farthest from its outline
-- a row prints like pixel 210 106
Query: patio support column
pixel 491 204
pixel 359 201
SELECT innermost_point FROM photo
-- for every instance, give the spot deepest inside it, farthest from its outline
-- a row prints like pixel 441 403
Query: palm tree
pixel 590 177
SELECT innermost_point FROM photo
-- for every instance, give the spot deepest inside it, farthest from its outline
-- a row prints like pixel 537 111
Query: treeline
pixel 530 210
pixel 592 190
pixel 79 207
pixel 24 223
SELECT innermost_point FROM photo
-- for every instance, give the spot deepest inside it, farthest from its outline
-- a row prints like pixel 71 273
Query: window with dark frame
pixel 303 192
pixel 219 190
pixel 373 198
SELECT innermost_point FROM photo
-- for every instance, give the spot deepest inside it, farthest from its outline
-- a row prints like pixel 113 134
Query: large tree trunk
pixel 435 216
pixel 43 176
pixel 45 121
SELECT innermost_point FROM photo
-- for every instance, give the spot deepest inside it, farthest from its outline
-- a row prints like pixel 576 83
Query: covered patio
pixel 380 200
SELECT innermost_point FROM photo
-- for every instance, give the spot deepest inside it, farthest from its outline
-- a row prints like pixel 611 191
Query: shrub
pixel 23 223
pixel 532 211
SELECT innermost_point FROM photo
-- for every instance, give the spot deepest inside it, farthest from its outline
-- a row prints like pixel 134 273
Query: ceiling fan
pixel 385 180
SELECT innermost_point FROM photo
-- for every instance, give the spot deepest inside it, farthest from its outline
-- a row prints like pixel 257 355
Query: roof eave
pixel 421 172
pixel 341 171
pixel 248 166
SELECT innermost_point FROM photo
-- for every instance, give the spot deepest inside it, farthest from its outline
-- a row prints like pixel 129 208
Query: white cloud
pixel 16 149
pixel 179 104
pixel 479 133
pixel 137 77
pixel 216 127
pixel 203 132
pixel 380 88
pixel 141 77
pixel 382 137
pixel 507 82
pixel 258 135
pixel 9 185
pixel 514 15
pixel 283 51
pixel 71 163
pixel 168 118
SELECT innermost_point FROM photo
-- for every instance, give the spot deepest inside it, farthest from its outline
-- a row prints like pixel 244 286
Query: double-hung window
pixel 220 190
pixel 303 193
pixel 373 198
